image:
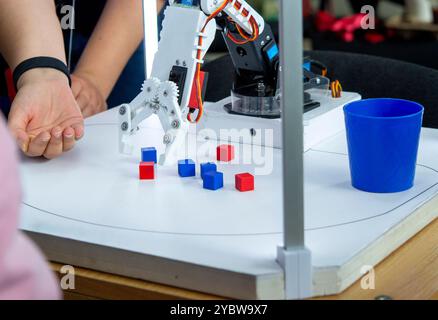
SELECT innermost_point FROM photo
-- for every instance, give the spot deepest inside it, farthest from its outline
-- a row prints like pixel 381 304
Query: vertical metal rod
pixel 291 41
pixel 70 42
pixel 150 22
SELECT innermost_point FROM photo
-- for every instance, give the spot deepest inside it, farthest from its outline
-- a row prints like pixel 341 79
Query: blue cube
pixel 186 168
pixel 208 167
pixel 149 155
pixel 213 180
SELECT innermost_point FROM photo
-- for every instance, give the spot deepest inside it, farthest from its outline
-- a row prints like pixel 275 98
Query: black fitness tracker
pixel 40 62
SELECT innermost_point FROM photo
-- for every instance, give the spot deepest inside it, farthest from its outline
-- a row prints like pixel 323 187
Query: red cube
pixel 147 171
pixel 225 153
pixel 245 182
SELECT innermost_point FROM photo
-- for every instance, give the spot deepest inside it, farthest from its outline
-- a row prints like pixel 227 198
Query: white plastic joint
pixel 298 271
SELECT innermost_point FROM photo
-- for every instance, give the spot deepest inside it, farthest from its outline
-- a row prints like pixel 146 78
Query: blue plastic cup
pixel 383 136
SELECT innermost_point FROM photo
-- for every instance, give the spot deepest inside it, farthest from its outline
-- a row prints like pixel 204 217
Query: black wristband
pixel 40 62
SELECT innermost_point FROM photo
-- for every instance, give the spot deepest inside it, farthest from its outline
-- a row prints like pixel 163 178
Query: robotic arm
pixel 189 29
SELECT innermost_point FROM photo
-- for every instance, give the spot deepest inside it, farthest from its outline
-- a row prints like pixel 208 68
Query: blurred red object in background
pixel 345 27
pixel 324 21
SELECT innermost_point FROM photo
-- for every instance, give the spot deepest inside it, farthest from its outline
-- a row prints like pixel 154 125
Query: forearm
pixel 29 28
pixel 115 38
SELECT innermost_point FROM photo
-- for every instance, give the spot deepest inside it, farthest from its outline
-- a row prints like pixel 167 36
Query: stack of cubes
pixel 148 162
pixel 212 179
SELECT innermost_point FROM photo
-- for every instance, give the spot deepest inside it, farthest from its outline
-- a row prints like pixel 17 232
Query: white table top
pixel 93 196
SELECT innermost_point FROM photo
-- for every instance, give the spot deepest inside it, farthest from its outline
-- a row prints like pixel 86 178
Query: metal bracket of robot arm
pixel 132 114
pixel 235 10
pixel 159 95
pixel 173 122
pixel 160 98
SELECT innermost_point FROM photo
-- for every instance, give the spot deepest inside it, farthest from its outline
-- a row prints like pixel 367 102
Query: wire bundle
pixel 242 33
pixel 336 89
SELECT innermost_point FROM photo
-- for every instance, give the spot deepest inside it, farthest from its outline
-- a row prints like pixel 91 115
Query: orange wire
pixel 336 89
pixel 198 67
pixel 242 32
pixel 254 25
pixel 255 35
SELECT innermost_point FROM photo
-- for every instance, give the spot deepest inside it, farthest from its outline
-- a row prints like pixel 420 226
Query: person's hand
pixel 45 118
pixel 87 95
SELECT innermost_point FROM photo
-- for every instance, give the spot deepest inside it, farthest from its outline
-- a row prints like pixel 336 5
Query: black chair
pixel 375 77
pixel 372 77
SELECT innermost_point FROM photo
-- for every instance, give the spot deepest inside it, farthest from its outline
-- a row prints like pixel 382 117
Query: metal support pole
pixel 293 256
pixel 150 23
pixel 291 33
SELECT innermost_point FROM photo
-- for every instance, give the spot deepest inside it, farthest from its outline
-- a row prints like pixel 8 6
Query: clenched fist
pixel 87 95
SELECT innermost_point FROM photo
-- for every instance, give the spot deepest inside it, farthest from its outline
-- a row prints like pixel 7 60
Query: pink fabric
pixel 24 274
